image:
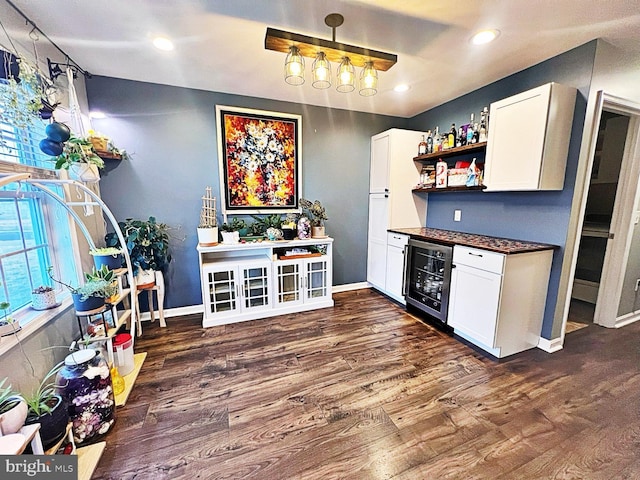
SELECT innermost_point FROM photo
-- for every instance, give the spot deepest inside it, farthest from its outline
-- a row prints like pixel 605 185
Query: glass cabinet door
pixel 316 280
pixel 255 287
pixel 288 278
pixel 220 285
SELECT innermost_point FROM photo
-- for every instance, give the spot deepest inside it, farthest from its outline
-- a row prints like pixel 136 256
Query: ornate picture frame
pixel 260 160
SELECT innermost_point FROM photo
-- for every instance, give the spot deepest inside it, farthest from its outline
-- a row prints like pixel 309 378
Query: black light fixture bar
pixel 280 41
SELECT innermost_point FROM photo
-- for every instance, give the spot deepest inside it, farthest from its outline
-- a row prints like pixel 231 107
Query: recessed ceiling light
pixel 484 36
pixel 97 114
pixel 163 43
pixel 403 87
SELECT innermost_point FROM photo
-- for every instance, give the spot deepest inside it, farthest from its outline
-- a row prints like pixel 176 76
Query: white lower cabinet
pixel 301 281
pixel 395 268
pixel 249 281
pixel 497 301
pixel 237 287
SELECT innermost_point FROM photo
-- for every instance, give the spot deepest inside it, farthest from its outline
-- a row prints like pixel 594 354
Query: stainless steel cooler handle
pixel 404 272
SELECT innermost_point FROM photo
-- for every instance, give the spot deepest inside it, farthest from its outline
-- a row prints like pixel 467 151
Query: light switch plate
pixel 457 215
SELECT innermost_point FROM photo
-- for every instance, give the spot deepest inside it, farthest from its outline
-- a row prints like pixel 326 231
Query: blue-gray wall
pixel 534 216
pixel 170 133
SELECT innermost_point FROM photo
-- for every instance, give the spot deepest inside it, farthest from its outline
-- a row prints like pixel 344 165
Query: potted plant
pixel 148 246
pixel 231 231
pixel 317 215
pixel 46 407
pixel 290 226
pixel 79 157
pixel 13 410
pixel 208 226
pixel 43 298
pixel 92 294
pixel 21 96
pixel 104 274
pixel 8 324
pixel 109 256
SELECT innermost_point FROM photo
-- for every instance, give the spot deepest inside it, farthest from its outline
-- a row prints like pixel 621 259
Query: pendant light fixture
pixel 368 80
pixel 294 67
pixel 346 76
pixel 324 51
pixel 321 70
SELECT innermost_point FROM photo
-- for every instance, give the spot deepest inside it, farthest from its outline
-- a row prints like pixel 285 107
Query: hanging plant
pixel 21 96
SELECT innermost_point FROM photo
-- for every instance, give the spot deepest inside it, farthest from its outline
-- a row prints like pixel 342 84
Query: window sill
pixel 33 320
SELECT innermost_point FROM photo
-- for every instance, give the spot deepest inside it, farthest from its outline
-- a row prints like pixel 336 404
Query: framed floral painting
pixel 260 159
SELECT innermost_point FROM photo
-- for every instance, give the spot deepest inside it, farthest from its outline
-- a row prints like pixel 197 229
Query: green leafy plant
pixel 315 211
pixel 77 150
pixel 6 319
pixel 235 225
pixel 147 243
pixel 21 97
pixel 95 285
pixel 43 399
pixel 9 398
pixel 268 221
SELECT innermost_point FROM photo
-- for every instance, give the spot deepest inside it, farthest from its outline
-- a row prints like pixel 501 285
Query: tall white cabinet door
pixel 379 175
pixel 473 303
pixel 377 241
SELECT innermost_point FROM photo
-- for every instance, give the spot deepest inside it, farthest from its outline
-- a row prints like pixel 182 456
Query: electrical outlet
pixel 457 215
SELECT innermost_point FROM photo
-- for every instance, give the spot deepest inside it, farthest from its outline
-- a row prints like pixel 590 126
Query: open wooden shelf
pixel 130 378
pixel 452 152
pixel 448 189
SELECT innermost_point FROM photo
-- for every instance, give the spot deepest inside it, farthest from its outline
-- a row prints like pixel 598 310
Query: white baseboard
pixel 347 287
pixel 550 346
pixel 175 312
pixel 627 319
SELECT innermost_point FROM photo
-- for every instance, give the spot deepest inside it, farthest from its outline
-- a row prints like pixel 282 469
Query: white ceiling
pixel 220 44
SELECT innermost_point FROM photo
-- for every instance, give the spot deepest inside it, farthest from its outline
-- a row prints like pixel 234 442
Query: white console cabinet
pixel 497 301
pixel 246 281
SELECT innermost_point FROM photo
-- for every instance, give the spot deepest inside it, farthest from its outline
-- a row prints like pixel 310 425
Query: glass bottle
pixel 429 142
pixel 476 133
pixel 422 146
pixel 462 137
pixel 452 136
pixel 482 137
pixel 470 130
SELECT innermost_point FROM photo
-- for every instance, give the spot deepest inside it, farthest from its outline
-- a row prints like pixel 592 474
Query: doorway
pixel 606 275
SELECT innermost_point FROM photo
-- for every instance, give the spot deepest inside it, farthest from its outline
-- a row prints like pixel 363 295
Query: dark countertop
pixel 494 244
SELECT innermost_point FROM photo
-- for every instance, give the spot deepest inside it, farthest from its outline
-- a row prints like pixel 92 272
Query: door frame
pixel 622 217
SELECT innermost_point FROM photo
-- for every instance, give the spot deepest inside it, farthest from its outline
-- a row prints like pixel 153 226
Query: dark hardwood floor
pixel 366 391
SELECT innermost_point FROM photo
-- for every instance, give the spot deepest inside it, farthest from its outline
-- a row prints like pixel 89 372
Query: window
pixel 34 229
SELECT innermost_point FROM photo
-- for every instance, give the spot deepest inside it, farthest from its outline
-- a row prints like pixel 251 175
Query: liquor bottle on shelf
pixel 470 130
pixel 452 136
pixel 482 137
pixel 462 137
pixel 429 142
pixel 437 141
pixel 476 133
pixel 422 146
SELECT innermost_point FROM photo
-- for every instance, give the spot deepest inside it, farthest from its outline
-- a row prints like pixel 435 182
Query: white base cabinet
pixel 396 264
pixel 497 301
pixel 255 280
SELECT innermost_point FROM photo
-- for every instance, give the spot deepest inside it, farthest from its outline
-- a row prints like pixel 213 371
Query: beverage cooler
pixel 427 277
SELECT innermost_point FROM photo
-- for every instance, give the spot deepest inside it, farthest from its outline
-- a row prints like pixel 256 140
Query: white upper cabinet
pixel 528 139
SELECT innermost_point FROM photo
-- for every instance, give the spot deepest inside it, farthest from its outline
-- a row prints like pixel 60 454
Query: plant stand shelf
pixel 88 458
pixel 130 379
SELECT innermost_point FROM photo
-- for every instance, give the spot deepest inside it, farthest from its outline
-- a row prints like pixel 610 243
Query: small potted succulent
pixel 316 214
pixel 231 231
pixel 43 298
pixel 290 226
pixel 92 295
